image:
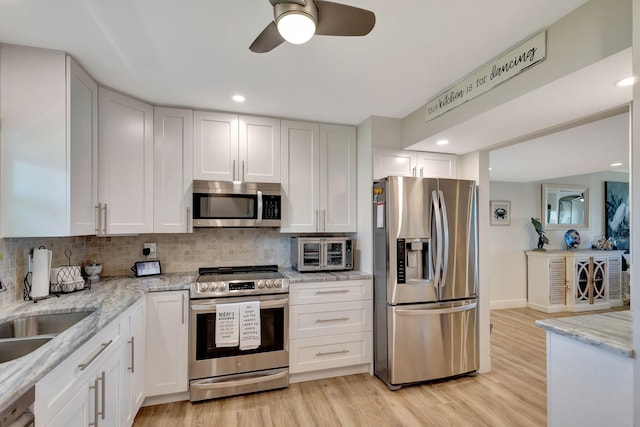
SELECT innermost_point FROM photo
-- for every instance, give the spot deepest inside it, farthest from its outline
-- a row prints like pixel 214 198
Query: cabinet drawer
pixel 311 354
pixel 330 319
pixel 321 292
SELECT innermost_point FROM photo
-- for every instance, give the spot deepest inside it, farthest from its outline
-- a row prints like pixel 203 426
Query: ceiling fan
pixel 296 21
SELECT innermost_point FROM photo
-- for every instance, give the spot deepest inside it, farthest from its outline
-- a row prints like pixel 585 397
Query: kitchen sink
pixel 40 324
pixel 19 337
pixel 17 347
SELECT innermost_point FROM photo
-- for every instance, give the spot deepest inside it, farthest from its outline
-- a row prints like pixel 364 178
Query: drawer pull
pixel 103 347
pixel 339 291
pixel 337 319
pixel 344 351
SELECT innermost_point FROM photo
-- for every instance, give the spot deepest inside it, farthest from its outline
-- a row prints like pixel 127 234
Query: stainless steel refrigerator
pixel 425 279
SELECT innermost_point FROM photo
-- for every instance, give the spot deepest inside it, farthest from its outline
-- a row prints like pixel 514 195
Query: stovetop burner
pixel 239 281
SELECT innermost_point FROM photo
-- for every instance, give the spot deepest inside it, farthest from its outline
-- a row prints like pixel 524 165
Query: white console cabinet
pixel 330 326
pixel 573 280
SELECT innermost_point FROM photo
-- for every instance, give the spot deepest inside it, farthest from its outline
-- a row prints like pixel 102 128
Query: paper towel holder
pixel 26 291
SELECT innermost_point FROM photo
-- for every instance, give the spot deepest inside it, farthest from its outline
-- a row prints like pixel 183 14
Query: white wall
pixel 508 243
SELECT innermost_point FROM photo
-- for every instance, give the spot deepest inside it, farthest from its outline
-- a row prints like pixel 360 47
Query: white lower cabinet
pixel 94 385
pixel 167 343
pixel 330 326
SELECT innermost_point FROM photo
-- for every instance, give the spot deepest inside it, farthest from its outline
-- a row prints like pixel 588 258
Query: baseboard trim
pixel 165 398
pixel 329 373
pixel 508 303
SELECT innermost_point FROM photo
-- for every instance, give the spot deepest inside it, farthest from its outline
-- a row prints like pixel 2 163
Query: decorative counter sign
pixel 489 76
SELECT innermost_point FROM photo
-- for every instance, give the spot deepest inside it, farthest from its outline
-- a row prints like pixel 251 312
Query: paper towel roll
pixel 40 275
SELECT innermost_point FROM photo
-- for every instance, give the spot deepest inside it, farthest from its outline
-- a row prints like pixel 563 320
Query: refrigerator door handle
pixel 423 311
pixel 437 246
pixel 445 240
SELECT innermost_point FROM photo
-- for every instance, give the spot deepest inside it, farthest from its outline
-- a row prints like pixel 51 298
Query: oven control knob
pixel 260 284
pixel 278 283
pixel 202 287
pixel 269 283
pixel 213 286
pixel 222 286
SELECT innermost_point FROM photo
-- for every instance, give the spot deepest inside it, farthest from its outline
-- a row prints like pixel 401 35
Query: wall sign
pixel 485 78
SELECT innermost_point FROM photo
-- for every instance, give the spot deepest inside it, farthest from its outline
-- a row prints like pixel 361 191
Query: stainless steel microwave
pixel 322 253
pixel 229 204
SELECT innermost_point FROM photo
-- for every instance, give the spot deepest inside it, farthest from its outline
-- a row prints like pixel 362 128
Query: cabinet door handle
pixel 133 355
pixel 242 177
pixel 104 224
pixel 98 207
pixel 337 319
pixel 327 353
pixel 102 378
pixel 413 171
pixel 233 172
pixel 94 387
pixel 421 170
pixel 183 309
pixel 188 219
pixel 103 347
pixel 317 219
pixel 340 291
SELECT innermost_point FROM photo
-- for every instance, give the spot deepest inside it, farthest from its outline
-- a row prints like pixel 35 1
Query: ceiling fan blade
pixel 335 19
pixel 268 39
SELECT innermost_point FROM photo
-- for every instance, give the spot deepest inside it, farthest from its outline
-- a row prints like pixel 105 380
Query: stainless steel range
pixel 220 362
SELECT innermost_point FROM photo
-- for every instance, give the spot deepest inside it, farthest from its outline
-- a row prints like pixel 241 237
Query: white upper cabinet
pixel 387 162
pixel 318 182
pixel 173 170
pixel 338 178
pixel 228 147
pixel 125 164
pixel 436 165
pixel 49 144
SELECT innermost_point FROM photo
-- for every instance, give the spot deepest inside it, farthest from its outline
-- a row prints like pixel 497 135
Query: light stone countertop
pixel 611 331
pixel 323 276
pixel 107 298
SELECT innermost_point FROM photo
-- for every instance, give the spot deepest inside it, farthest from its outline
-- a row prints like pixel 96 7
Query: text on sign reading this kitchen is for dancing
pixel 490 75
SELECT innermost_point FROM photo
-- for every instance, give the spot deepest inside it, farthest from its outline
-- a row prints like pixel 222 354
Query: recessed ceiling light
pixel 442 142
pixel 489 168
pixel 626 82
pixel 615 164
pixel 238 98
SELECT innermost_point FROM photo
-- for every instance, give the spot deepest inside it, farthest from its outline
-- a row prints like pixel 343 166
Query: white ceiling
pixel 194 53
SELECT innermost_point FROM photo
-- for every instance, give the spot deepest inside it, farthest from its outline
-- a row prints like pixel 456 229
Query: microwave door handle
pixel 259 213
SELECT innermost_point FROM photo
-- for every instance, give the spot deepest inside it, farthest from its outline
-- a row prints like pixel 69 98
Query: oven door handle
pixel 211 306
pixel 238 383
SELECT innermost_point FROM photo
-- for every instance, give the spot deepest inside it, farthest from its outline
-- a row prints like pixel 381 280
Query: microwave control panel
pixel 271 207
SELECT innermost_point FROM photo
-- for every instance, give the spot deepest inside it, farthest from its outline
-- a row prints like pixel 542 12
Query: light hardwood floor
pixel 512 394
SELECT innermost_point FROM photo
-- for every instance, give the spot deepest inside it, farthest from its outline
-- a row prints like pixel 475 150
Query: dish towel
pixel 227 324
pixel 249 325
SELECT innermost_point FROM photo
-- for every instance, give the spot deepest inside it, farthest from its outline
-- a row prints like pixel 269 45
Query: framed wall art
pixel 500 212
pixel 617 213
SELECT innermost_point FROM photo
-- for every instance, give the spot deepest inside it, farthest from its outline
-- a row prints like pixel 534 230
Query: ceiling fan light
pixel 296 27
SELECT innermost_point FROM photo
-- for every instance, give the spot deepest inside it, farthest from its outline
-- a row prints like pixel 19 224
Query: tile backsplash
pixel 177 253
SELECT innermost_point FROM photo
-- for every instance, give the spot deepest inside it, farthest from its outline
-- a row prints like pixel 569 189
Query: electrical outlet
pixel 152 249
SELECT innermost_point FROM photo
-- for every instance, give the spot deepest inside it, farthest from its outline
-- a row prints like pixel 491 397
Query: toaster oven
pixel 322 253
